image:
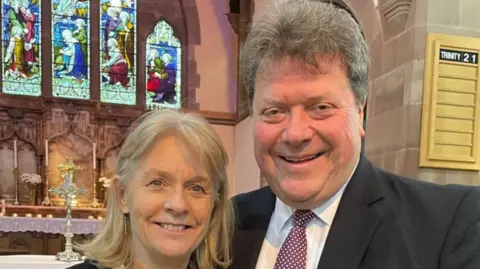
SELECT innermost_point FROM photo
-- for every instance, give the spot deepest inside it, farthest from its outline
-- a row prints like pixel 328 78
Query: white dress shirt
pixel 317 231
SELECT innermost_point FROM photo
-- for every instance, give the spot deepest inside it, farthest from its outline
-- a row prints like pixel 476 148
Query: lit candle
pixel 15 153
pixel 39 215
pixel 94 156
pixel 46 152
pixel 14 215
pixel 90 217
pixel 49 216
pixel 99 217
pixel 28 215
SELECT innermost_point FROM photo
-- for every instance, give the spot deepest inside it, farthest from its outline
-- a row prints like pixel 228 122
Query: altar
pixel 36 234
pixel 50 228
pixel 33 261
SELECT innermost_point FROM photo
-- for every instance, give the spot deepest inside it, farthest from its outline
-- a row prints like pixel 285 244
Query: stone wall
pixel 396 32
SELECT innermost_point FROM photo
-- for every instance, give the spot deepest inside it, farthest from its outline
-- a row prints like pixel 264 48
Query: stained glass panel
pixel 71 48
pixel 117 51
pixel 163 68
pixel 21 34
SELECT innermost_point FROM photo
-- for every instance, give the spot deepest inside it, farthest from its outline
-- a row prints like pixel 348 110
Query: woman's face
pixel 170 200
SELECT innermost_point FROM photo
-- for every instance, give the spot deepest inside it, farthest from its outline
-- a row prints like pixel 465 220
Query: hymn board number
pixel 459 56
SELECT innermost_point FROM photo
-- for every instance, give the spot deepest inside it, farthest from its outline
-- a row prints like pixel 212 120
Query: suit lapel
pixel 356 220
pixel 252 227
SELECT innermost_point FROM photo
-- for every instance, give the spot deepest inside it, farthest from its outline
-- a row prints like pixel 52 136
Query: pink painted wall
pixel 216 58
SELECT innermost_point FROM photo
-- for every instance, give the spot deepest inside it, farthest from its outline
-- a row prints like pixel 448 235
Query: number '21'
pixel 466 58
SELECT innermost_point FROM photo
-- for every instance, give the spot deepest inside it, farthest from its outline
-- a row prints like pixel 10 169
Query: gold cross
pixel 69 166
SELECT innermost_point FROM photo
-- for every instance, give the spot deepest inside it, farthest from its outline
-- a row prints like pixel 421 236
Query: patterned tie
pixel 293 253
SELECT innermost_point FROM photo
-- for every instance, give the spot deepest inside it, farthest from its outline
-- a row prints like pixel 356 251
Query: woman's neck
pixel 159 264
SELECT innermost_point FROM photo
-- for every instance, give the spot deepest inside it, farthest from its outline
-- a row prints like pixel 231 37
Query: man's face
pixel 307 131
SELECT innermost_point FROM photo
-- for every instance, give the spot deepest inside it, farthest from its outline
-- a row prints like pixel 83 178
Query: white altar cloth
pixel 49 225
pixel 33 262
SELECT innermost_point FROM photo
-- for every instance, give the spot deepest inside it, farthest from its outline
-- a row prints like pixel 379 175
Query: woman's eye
pixel 198 188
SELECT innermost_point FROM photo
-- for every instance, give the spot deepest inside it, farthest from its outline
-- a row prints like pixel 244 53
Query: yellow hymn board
pixel 451 103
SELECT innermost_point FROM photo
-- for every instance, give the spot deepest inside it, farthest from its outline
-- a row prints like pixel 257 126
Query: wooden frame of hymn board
pixel 450 131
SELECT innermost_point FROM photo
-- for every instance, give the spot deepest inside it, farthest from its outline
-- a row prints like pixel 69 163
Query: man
pixel 305 65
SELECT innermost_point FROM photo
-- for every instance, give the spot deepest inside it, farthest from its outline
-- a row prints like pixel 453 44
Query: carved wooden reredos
pixel 72 126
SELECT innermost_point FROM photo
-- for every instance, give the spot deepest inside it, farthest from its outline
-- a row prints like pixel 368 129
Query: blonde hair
pixel 111 247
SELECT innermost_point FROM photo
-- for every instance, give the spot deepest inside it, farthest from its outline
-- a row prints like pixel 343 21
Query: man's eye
pixel 156 183
pixel 321 107
pixel 271 112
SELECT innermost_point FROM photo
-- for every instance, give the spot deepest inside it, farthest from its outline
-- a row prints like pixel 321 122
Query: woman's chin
pixel 174 250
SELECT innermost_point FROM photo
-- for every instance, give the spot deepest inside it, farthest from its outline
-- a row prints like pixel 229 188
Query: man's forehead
pixel 272 69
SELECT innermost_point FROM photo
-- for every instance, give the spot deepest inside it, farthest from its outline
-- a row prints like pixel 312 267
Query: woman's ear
pixel 120 194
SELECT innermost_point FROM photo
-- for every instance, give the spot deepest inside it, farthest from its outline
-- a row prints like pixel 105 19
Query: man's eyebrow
pixel 154 172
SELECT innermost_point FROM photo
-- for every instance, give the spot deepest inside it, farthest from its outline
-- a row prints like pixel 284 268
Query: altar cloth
pixel 49 225
pixel 33 262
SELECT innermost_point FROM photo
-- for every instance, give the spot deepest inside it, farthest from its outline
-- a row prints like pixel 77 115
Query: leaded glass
pixel 71 48
pixel 21 45
pixel 163 68
pixel 117 51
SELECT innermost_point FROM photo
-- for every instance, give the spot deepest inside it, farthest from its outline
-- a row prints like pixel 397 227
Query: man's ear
pixel 120 194
pixel 360 111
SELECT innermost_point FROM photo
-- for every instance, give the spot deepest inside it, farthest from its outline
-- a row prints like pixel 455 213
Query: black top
pixel 87 264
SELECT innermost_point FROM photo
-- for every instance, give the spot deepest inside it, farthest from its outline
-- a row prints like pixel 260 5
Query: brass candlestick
pixel 46 200
pixel 95 203
pixel 15 177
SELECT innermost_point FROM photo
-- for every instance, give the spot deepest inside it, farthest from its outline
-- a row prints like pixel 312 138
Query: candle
pixel 46 152
pixel 99 217
pixel 49 216
pixel 94 156
pixel 3 207
pixel 39 215
pixel 28 215
pixel 14 215
pixel 90 217
pixel 15 153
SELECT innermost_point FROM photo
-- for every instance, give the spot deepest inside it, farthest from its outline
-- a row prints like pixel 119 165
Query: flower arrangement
pixel 33 179
pixel 106 181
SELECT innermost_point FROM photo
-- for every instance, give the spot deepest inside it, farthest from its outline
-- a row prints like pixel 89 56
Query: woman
pixel 168 204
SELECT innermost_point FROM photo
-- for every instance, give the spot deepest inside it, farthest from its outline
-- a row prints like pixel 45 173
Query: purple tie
pixel 293 253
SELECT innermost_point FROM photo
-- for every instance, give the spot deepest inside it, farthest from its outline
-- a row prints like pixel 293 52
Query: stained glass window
pixel 71 48
pixel 117 51
pixel 21 67
pixel 163 68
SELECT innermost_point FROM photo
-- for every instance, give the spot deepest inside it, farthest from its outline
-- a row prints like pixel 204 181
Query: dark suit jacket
pixel 383 221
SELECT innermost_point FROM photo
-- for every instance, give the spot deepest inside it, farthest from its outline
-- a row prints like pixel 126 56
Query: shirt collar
pixel 325 212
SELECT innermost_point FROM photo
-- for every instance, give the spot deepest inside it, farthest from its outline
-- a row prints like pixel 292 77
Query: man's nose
pixel 298 130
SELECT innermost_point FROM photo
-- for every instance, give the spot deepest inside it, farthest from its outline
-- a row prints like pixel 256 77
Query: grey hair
pixel 303 29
